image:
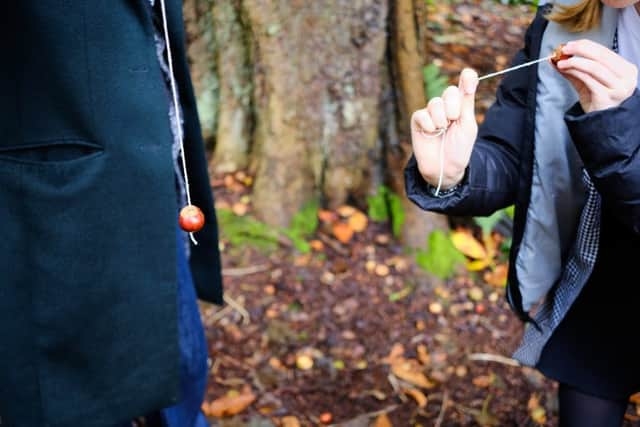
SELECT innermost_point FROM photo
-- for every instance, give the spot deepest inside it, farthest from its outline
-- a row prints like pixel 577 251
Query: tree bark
pixel 315 99
pixel 407 70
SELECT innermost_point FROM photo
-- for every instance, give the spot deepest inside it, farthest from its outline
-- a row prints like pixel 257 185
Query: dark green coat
pixel 88 315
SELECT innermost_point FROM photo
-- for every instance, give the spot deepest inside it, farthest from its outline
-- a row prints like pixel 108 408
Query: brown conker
pixel 558 55
pixel 191 218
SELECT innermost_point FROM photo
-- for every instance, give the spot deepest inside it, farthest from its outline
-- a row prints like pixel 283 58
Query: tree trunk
pixel 407 70
pixel 315 98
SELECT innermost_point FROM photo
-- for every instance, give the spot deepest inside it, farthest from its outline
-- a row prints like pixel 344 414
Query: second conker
pixel 558 55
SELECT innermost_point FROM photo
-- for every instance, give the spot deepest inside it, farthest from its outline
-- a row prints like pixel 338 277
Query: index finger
pixel 596 52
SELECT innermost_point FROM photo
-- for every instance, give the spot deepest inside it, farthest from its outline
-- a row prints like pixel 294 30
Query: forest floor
pixel 355 334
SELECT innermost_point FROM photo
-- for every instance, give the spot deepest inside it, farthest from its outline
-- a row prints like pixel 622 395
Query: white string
pixel 439 132
pixel 174 93
pixel 517 67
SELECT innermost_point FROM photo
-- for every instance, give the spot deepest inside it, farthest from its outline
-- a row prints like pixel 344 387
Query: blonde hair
pixel 579 17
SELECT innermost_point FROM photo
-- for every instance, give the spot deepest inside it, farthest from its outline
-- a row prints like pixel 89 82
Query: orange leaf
pixel 230 405
pixel 383 421
pixel 327 216
pixel 317 245
pixel 417 395
pixel 423 355
pixel 290 421
pixel 239 208
pixel 358 222
pixel 346 211
pixel 382 270
pixel 464 241
pixel 497 277
pixel 411 372
pixel 396 353
pixel 484 381
pixel 343 232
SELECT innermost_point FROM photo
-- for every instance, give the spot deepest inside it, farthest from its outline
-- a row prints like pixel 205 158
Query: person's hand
pixel 602 78
pixel 455 112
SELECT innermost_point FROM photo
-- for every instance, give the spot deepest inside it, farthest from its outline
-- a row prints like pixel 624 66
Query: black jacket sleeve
pixel 491 179
pixel 608 142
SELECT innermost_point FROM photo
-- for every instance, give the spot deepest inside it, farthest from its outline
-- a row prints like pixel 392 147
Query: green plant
pixel 244 230
pixel 303 225
pixel 248 231
pixel 434 82
pixel 385 205
pixel 442 257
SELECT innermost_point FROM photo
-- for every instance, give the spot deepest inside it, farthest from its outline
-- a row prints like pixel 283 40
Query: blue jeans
pixel 193 350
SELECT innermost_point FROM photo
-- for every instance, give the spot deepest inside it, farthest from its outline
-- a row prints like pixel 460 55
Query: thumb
pixel 468 85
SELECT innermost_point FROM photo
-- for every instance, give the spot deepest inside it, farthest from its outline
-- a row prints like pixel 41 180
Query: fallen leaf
pixel 304 362
pixel 497 277
pixel 229 181
pixel 362 365
pixel 383 421
pixel 536 411
pixel 346 211
pixel 343 232
pixel 382 270
pixel 411 371
pixel 302 260
pixel 232 404
pixel 435 308
pixel 475 293
pixel 484 381
pixel 423 355
pixel 478 264
pixel 464 241
pixel 327 216
pixel 382 239
pixel 539 415
pixel 316 245
pixel 417 395
pixel 290 421
pixel 239 208
pixel 461 371
pixel 396 353
pixel 358 222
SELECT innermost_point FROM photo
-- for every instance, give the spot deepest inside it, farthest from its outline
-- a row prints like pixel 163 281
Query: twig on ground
pixel 374 414
pixel 485 357
pixel 443 409
pixel 218 315
pixel 245 271
pixel 331 243
pixel 246 318
pixel 396 387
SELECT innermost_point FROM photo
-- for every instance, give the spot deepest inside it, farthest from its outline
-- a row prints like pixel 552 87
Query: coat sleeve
pixel 491 179
pixel 608 142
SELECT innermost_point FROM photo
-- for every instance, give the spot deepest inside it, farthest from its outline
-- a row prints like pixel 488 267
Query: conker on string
pixel 558 55
pixel 191 218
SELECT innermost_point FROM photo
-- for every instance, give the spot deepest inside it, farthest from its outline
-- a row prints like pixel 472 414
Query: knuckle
pixel 434 102
pixel 450 91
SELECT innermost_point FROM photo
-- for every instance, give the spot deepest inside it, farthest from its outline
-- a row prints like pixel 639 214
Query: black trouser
pixel 578 409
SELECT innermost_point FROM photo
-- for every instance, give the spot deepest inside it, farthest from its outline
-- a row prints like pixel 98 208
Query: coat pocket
pixel 55 153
